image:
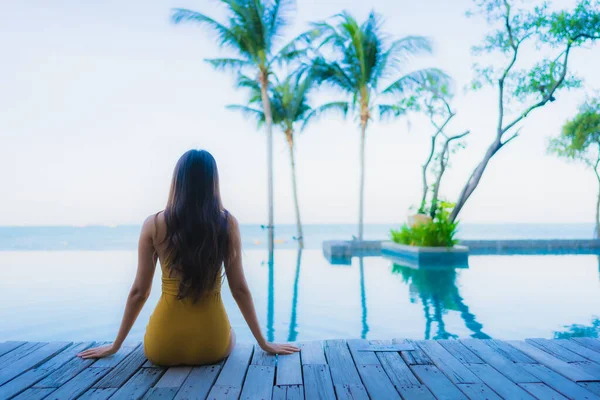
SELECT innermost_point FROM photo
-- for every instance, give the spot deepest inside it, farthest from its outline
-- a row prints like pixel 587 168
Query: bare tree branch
pixel 511 138
pixel 549 95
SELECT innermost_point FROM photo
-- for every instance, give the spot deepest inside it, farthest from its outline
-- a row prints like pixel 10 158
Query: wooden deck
pixel 353 369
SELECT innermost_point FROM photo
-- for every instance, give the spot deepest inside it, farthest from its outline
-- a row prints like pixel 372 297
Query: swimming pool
pixel 80 295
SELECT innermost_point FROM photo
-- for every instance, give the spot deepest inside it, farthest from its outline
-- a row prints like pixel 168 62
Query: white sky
pixel 98 99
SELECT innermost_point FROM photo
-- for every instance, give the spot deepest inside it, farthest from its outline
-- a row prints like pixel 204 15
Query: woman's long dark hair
pixel 197 239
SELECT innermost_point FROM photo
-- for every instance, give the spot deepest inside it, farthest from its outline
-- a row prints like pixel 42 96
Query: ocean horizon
pixel 124 237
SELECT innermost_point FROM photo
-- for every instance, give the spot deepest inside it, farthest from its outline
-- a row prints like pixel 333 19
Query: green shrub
pixel 438 233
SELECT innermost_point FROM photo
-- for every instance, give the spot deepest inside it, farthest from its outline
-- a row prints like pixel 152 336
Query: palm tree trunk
pixel 299 235
pixel 269 124
pixel 361 201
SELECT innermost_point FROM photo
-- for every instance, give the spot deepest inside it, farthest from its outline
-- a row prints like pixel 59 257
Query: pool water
pixel 80 295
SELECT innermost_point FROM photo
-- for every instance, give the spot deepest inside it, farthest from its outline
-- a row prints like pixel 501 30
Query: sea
pixel 124 237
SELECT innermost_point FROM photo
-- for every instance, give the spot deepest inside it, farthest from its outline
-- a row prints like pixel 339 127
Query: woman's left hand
pixel 99 352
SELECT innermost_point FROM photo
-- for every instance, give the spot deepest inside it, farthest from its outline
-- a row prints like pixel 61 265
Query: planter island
pixel 426 257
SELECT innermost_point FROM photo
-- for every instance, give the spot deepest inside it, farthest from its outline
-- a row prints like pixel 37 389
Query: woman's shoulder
pixel 232 221
pixel 154 223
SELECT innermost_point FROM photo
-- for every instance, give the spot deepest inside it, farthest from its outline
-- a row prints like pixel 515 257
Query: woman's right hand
pixel 282 349
pixel 99 352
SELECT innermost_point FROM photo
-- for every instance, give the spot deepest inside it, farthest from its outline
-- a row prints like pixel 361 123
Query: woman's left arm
pixel 137 295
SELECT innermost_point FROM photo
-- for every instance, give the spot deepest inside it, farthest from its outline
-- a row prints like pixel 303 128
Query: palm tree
pixel 252 31
pixel 291 112
pixel 363 58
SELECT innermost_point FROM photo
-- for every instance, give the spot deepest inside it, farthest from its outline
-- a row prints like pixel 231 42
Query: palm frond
pixel 432 77
pixel 277 17
pixel 249 112
pixel 332 73
pixel 399 53
pixel 296 49
pixel 245 82
pixel 336 107
pixel 411 45
pixel 224 34
pixel 227 64
pixel 387 111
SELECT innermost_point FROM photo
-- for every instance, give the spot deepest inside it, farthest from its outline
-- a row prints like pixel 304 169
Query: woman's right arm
pixel 241 292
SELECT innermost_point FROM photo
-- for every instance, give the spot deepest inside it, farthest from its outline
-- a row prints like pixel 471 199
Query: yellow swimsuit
pixel 184 332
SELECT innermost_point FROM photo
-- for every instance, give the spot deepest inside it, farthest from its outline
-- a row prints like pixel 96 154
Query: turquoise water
pixel 79 294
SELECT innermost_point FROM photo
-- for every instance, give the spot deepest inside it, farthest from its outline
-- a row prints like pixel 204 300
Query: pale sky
pixel 98 99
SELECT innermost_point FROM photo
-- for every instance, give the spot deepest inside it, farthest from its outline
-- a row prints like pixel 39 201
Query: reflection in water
pixel 271 300
pixel 293 334
pixel 577 330
pixel 439 294
pixel 363 300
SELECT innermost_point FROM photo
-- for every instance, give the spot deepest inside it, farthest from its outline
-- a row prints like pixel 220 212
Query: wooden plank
pixel 34 394
pixel 478 391
pixel 232 374
pixel 415 392
pixel 509 352
pixel 318 384
pixel 160 393
pixel 115 359
pixel 261 357
pixel 577 348
pixel 279 393
pixel 559 382
pixel 403 379
pixel 351 392
pixel 148 364
pixel 395 367
pixel 377 382
pixel 551 347
pixel 593 387
pixel 98 394
pixel 174 377
pixel 588 366
pixel 31 360
pixel 497 359
pixel 342 368
pixel 572 372
pixel 542 391
pixel 414 357
pixel 460 351
pixel 361 357
pixel 388 347
pixel 30 377
pixel 454 369
pixel 20 352
pixel 441 387
pixel 590 343
pixel 499 383
pixel 295 392
pixel 139 384
pixel 6 347
pixel 312 353
pixel 199 382
pixel 79 384
pixel 123 371
pixel 288 392
pixel 64 373
pixel 289 370
pixel 258 383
